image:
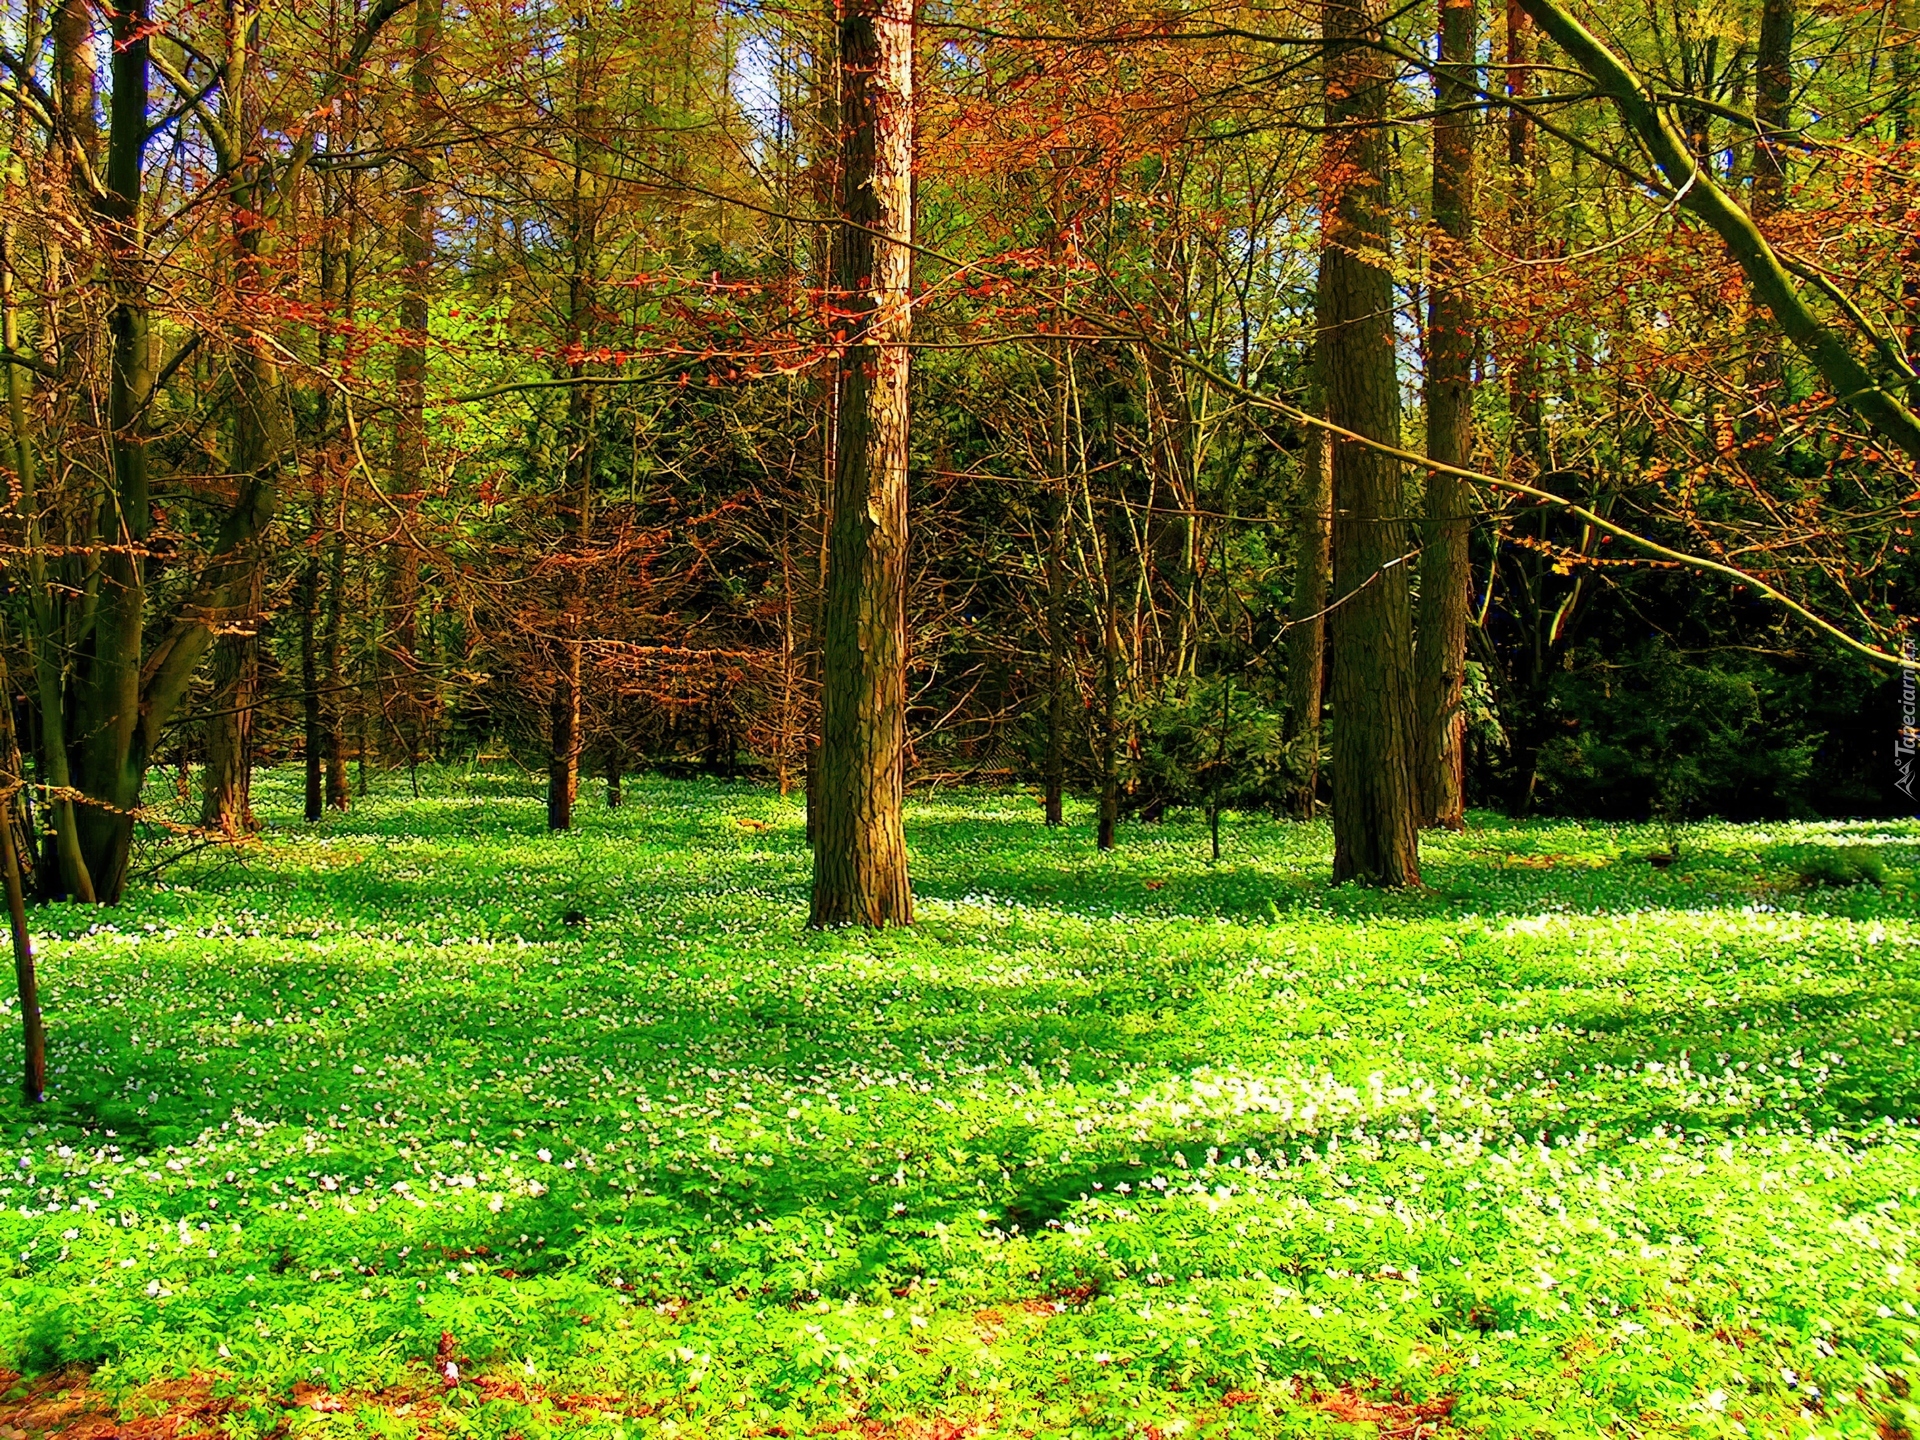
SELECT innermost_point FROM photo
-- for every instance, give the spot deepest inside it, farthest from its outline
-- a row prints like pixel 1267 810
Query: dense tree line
pixel 1383 409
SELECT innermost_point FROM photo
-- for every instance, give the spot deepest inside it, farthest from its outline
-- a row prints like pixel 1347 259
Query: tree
pixel 1441 656
pixel 860 852
pixel 1374 833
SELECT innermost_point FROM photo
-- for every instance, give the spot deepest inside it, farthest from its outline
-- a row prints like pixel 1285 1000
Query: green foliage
pixel 1838 867
pixel 1104 1142
pixel 1656 734
pixel 1210 741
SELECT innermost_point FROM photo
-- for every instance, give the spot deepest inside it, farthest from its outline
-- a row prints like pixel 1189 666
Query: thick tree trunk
pixel 1375 837
pixel 1307 611
pixel 109 743
pixel 1440 659
pixel 860 852
pixel 226 780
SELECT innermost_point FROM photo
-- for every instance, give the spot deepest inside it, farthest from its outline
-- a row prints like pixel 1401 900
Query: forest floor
pixel 1130 1144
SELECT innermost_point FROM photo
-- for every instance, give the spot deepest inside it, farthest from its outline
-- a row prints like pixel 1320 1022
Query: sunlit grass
pixel 1105 1143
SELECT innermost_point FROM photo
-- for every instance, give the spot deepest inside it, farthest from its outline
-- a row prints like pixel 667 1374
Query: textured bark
pixel 313 747
pixel 1307 611
pixel 68 864
pixel 1058 640
pixel 1106 836
pixel 1522 362
pixel 860 853
pixel 1375 837
pixel 409 464
pixel 226 780
pixel 1440 659
pixel 1772 105
pixel 109 744
pixel 339 794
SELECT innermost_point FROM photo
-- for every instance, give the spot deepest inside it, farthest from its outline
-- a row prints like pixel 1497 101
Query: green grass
pixel 1105 1145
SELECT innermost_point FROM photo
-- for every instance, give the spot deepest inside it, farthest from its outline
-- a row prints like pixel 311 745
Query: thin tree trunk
pixel 333 727
pixel 1059 657
pixel 1440 659
pixel 616 756
pixel 409 466
pixel 860 853
pixel 1375 836
pixel 49 684
pixel 1524 401
pixel 313 748
pixel 1106 836
pixel 33 1031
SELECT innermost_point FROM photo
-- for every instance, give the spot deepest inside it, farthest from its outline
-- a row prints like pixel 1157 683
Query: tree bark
pixel 409 464
pixel 109 742
pixel 1054 772
pixel 1307 610
pixel 860 853
pixel 1375 837
pixel 1440 656
pixel 313 747
pixel 33 1030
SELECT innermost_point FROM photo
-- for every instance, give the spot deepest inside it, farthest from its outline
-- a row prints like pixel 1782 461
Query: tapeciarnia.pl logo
pixel 1904 747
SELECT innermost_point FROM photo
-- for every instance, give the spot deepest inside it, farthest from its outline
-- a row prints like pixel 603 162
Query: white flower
pixel 544 1156
pixel 1717 1400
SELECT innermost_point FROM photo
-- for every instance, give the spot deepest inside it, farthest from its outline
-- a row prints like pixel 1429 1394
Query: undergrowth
pixel 1105 1144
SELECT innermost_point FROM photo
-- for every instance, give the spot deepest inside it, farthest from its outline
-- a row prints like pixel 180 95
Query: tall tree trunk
pixel 1374 832
pixel 1307 609
pixel 69 870
pixel 333 726
pixel 1059 657
pixel 314 744
pixel 109 741
pixel 1106 835
pixel 1773 110
pixel 824 178
pixel 1440 656
pixel 1524 403
pixel 409 466
pixel 860 852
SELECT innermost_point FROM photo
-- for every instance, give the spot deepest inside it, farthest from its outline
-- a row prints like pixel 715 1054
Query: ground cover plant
pixel 425 1121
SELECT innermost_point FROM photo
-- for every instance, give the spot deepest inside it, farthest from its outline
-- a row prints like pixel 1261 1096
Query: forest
pixel 756 719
